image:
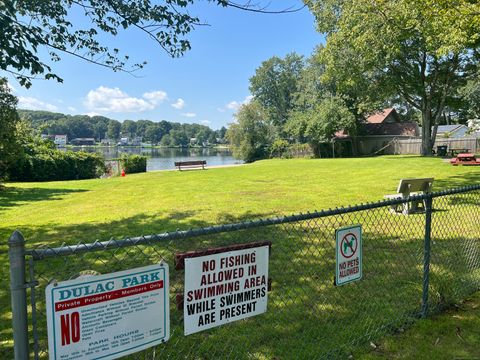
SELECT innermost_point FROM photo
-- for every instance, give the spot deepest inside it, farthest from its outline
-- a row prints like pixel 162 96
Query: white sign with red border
pixel 348 254
pixel 225 287
pixel 108 316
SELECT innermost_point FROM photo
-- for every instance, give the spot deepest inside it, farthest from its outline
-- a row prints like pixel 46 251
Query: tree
pixel 470 94
pixel 320 123
pixel 8 121
pixel 251 135
pixel 29 25
pixel 400 48
pixel 274 84
pixel 129 127
pixel 113 129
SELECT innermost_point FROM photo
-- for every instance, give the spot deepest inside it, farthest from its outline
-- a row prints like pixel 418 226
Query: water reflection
pixel 163 158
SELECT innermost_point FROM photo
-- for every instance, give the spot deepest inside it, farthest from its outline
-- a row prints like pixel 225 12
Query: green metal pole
pixel 18 291
pixel 426 254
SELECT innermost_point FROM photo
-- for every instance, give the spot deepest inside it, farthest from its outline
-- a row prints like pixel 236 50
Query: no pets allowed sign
pixel 348 254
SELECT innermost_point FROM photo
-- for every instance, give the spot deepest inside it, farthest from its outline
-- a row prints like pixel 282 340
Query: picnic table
pixel 465 159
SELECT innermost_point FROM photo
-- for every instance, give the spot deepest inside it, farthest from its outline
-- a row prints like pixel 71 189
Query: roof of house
pixel 380 116
pixel 453 130
pixel 398 129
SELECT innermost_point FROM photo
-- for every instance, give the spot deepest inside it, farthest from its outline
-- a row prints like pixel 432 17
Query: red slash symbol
pixel 349 244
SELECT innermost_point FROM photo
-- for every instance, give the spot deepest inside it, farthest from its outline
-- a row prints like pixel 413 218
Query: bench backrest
pixel 414 185
pixel 191 163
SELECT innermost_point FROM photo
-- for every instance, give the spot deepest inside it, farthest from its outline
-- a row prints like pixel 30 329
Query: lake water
pixel 163 158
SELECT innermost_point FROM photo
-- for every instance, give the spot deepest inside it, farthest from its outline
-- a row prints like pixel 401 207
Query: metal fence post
pixel 426 254
pixel 18 291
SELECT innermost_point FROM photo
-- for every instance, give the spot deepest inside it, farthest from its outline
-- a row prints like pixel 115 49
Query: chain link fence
pixel 405 275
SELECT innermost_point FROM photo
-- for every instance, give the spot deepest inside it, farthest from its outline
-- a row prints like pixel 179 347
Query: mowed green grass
pixel 83 211
pixel 454 334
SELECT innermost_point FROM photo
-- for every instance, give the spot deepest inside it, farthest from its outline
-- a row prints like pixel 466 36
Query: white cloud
pixel 105 99
pixel 92 114
pixel 155 97
pixel 31 103
pixel 179 104
pixel 189 114
pixel 11 87
pixel 206 122
pixel 235 105
pixel 72 109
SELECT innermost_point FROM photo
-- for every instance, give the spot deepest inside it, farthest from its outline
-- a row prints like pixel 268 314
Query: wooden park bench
pixel 191 164
pixel 406 188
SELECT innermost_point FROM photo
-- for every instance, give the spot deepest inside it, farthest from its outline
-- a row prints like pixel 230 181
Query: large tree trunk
pixel 426 133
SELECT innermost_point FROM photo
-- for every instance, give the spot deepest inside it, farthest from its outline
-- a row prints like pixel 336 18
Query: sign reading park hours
pixel 349 254
pixel 108 316
pixel 225 287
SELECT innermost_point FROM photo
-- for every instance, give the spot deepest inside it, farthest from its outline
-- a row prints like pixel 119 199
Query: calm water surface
pixel 163 159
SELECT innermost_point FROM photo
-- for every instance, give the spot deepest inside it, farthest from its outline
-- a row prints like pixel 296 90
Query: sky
pixel 205 86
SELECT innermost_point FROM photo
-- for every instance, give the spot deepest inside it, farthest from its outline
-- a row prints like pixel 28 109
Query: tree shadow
pixel 15 196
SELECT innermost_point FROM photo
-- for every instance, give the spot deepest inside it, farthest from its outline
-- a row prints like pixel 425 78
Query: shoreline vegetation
pixel 216 147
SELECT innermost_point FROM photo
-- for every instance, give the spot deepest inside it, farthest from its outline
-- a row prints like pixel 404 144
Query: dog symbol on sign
pixel 349 245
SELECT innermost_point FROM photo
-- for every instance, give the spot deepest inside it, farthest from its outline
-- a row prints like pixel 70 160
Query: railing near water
pixel 413 265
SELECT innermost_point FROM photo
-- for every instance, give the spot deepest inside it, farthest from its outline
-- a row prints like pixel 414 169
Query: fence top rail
pixel 64 250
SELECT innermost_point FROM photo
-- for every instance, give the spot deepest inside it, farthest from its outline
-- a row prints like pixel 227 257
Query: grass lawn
pixel 83 211
pixel 454 334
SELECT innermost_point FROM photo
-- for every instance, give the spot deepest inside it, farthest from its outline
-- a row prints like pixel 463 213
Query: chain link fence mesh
pixel 308 316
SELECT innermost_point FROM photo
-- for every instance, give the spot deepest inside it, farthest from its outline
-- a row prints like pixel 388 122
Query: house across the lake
pixel 83 141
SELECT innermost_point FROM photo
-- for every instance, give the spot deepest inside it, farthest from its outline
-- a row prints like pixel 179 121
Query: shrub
pixel 299 151
pixel 55 165
pixel 133 163
pixel 279 148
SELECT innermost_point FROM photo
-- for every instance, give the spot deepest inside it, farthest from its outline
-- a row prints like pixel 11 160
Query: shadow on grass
pixel 456 181
pixel 307 317
pixel 14 196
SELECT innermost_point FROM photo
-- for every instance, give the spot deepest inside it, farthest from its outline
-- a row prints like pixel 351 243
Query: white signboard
pixel 108 316
pixel 225 287
pixel 349 254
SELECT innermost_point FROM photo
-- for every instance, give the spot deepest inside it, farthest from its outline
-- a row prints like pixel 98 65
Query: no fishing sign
pixel 225 287
pixel 349 254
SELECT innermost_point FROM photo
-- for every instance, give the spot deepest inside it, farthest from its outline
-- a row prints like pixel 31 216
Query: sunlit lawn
pixel 454 334
pixel 84 211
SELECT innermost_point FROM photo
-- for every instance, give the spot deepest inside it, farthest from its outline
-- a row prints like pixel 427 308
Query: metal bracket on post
pixel 18 292
pixel 426 254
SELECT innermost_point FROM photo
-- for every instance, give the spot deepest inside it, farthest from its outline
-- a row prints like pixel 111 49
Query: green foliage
pixel 113 130
pixel 251 135
pixel 100 127
pixel 53 165
pixel 274 84
pixel 39 160
pixel 279 148
pixel 417 53
pixel 319 125
pixel 471 95
pixel 8 120
pixel 133 163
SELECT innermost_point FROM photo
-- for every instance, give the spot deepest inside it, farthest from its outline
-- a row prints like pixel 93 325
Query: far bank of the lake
pixel 162 158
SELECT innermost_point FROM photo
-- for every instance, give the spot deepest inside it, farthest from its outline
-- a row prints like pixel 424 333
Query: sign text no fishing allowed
pixel 225 287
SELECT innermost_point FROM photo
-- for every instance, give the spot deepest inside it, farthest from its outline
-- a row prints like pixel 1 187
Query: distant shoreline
pixel 217 147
